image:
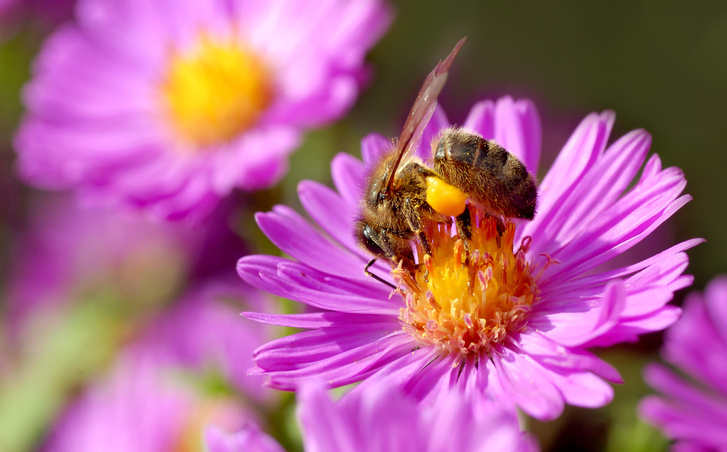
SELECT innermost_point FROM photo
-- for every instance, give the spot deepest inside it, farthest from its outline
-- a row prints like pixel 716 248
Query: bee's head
pixel 376 193
pixel 377 190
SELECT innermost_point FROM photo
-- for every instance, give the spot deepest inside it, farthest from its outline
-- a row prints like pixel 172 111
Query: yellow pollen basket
pixel 215 91
pixel 467 302
pixel 444 198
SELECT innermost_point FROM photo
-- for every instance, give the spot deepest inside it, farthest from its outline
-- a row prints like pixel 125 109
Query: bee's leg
pixel 425 243
pixel 464 231
pixel 376 277
pixel 464 225
pixel 501 226
pixel 415 225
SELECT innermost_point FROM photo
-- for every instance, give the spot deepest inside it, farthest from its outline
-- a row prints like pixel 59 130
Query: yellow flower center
pixel 215 91
pixel 465 302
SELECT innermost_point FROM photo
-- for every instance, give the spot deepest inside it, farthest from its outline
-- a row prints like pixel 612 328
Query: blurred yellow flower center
pixel 215 91
pixel 467 302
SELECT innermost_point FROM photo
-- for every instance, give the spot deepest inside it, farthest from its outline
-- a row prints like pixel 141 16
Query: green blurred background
pixel 659 65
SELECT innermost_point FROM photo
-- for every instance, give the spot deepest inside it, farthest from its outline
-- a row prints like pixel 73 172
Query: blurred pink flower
pixel 248 439
pixel 693 410
pixel 169 105
pixel 64 253
pixel 188 370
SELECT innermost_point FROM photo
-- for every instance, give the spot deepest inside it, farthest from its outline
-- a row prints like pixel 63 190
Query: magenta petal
pixel 688 414
pixel 318 201
pixel 604 313
pixel 531 126
pixel 698 430
pixel 693 410
pixel 551 354
pixel 716 302
pixel 248 439
pixel 302 283
pixel 339 369
pixel 600 186
pixel 653 287
pixel 421 373
pixel 315 319
pixel 481 119
pixel 628 222
pixel 579 154
pixel 307 347
pixel 256 271
pixel 338 294
pixel 687 350
pixel 348 173
pixel 325 428
pixel 373 147
pixel 614 303
pixel 514 125
pixel 292 234
pixel 685 394
pixel 383 418
pixel 528 384
pixel 517 129
pixel 629 330
pixel 601 278
pixel 583 389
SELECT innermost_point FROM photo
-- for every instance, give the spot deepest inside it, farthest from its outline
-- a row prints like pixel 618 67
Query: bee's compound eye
pixel 368 239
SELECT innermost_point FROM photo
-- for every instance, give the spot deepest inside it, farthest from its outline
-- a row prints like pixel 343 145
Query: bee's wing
pixel 422 110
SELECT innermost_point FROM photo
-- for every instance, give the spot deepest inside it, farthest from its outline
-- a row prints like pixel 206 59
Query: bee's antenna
pixel 376 277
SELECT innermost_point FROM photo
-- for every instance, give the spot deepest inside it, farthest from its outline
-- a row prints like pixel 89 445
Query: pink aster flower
pixel 693 410
pixel 383 419
pixel 516 320
pixel 169 105
pixel 187 370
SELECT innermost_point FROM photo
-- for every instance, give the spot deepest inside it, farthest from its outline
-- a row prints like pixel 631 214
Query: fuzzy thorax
pixel 467 302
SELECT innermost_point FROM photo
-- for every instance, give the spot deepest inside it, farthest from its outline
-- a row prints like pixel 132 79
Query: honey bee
pixel 403 195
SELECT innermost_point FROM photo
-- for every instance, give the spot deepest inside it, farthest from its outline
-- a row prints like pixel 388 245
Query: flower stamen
pixel 465 303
